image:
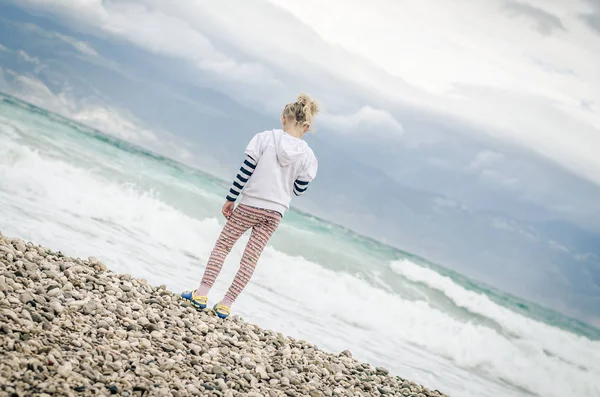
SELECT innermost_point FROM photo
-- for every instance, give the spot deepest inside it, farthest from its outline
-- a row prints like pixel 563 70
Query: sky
pixel 463 131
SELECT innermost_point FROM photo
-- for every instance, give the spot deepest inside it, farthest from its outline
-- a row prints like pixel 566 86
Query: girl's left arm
pixel 305 177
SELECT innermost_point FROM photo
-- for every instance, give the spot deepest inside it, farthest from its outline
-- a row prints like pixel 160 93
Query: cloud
pixel 115 123
pixel 81 46
pixel 546 128
pixel 489 53
pixel 486 159
pixel 548 67
pixel 125 126
pixel 89 111
pixel 592 19
pixel 57 43
pixel 546 23
pixel 151 27
pixel 28 58
pixel 496 180
pixel 588 256
pixel 486 164
pixel 446 204
pixel 367 119
pixel 106 119
pixel 588 106
pixel 512 226
pixel 32 90
pixel 558 246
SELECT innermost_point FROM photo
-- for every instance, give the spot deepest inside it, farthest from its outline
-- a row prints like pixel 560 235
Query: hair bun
pixel 310 105
pixel 302 111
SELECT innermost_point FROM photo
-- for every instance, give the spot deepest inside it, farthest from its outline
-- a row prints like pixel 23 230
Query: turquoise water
pixel 71 187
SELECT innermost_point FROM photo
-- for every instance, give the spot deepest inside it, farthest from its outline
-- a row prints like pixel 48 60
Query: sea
pixel 86 193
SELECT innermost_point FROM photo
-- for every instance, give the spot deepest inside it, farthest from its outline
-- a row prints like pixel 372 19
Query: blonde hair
pixel 302 111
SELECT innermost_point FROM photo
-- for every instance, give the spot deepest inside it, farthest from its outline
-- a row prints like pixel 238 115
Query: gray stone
pixel 26 297
pixel 65 370
pixel 145 343
pixel 56 307
pixel 89 308
pixel 168 364
pixel 346 353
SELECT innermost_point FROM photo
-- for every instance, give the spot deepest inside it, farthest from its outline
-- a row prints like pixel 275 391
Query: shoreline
pixel 72 327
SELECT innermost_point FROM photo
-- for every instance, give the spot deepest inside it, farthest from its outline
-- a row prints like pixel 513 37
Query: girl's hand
pixel 228 209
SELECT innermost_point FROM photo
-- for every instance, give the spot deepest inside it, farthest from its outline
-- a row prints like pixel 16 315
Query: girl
pixel 277 164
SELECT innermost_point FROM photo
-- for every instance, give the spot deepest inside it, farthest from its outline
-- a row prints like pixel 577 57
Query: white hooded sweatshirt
pixel 284 165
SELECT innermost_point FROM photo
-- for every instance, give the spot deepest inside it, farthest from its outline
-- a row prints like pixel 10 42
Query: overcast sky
pixel 481 117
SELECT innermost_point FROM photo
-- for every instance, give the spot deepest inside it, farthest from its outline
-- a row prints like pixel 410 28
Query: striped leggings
pixel 263 224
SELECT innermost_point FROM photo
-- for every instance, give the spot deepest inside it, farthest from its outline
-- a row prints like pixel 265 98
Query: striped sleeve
pixel 245 172
pixel 307 175
pixel 300 187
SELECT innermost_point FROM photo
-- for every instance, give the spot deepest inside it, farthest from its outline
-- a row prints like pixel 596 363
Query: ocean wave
pixel 547 347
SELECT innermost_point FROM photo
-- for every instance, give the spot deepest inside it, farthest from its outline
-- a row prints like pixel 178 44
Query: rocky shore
pixel 70 327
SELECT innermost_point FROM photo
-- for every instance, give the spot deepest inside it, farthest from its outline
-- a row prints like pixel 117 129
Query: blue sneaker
pixel 199 301
pixel 221 310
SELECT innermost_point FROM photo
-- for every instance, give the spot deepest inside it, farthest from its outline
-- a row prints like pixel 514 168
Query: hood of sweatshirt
pixel 289 149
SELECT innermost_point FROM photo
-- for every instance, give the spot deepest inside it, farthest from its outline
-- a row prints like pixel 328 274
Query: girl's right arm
pixel 245 172
pixel 253 152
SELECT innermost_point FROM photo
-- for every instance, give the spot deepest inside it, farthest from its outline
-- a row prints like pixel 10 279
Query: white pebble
pixel 65 370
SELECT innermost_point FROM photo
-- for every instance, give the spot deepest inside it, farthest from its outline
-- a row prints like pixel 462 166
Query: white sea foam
pixel 534 350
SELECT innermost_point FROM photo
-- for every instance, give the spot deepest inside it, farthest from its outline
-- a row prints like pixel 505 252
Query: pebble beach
pixel 70 327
